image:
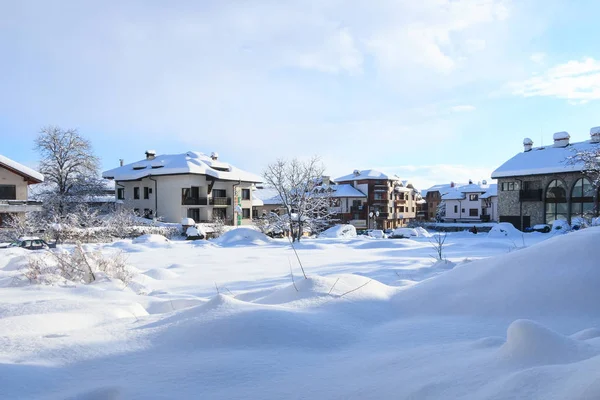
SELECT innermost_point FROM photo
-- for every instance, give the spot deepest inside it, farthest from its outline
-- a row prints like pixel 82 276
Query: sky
pixel 432 90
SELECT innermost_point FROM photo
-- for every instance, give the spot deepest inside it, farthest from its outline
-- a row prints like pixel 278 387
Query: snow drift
pixel 339 232
pixel 242 237
pixel 559 276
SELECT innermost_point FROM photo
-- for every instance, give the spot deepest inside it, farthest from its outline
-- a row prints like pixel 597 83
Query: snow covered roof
pixel 490 192
pixel 366 174
pixel 191 162
pixel 442 188
pixel 543 160
pixel 26 172
pixel 459 192
pixel 342 190
pixel 267 195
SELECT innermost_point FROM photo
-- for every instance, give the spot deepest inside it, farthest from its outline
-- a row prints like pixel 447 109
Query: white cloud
pixel 462 108
pixel 576 81
pixel 538 58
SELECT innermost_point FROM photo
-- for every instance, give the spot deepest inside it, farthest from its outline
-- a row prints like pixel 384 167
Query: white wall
pixel 169 189
pixel 9 178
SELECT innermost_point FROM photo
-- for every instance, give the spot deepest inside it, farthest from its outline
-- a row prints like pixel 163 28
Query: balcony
pixel 220 201
pixel 16 206
pixel 194 201
pixel 530 195
pixel 399 201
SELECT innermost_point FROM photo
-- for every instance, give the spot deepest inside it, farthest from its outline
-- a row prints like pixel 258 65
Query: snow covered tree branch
pixel 307 203
pixel 589 161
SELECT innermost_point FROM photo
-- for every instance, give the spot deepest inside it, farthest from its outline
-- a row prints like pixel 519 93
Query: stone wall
pixel 509 204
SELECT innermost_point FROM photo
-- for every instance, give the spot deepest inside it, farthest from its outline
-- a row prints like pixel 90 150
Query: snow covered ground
pixel 504 317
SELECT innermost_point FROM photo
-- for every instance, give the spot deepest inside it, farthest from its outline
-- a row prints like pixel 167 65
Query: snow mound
pixel 560 225
pixel 150 238
pixel 242 237
pixel 339 232
pixel 422 232
pixel 529 343
pixel 503 230
pixel 14 259
pixel 405 233
pixel 551 278
pixel 318 287
pixel 586 334
pixel 193 231
pixel 161 274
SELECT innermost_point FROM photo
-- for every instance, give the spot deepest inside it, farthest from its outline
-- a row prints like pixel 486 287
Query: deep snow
pixel 503 317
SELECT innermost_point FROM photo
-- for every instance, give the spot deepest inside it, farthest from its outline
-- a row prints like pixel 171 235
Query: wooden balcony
pixel 220 201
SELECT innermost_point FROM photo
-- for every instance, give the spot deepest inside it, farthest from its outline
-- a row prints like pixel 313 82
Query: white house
pixel 188 185
pixel 15 179
pixel 472 202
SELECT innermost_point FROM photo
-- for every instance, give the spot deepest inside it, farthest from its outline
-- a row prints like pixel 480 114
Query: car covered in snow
pixel 544 228
pixel 29 243
pixel 377 234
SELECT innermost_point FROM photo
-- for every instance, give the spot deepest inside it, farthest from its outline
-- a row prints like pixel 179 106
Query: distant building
pixel 389 201
pixel 15 179
pixel 538 186
pixel 433 198
pixel 472 202
pixel 187 185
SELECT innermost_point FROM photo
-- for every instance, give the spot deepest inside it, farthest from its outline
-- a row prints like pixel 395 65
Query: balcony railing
pixel 530 195
pixel 20 206
pixel 220 201
pixel 194 201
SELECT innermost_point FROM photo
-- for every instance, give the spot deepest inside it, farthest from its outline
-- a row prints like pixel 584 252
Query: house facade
pixel 188 185
pixel 15 179
pixel 539 185
pixel 472 202
pixel 433 198
pixel 389 203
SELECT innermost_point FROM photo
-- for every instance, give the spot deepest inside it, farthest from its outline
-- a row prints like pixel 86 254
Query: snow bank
pixel 554 277
pixel 411 232
pixel 504 230
pixel 150 239
pixel 529 343
pixel 560 225
pixel 339 232
pixel 242 237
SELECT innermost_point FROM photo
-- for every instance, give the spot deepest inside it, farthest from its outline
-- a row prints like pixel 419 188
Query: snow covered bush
pixel 77 266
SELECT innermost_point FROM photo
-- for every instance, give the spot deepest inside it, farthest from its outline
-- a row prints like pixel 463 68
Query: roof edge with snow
pixel 31 175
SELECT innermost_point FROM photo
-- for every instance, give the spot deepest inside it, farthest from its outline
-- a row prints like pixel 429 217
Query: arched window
pixel 582 198
pixel 556 201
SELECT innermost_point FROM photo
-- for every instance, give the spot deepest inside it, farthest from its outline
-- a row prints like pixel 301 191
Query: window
pixel 194 213
pixel 377 196
pixel 455 209
pixel 148 213
pixel 136 193
pixel 121 194
pixel 195 192
pixel 219 193
pixel 509 186
pixel 556 202
pixel 245 213
pixel 8 192
pixel 391 209
pixel 245 194
pixel 473 212
pixel 463 210
pixel 136 211
pixel 146 192
pixel 219 213
pixel 582 200
pixel 473 197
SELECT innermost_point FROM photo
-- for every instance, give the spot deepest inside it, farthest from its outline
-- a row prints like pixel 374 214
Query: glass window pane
pixel 588 208
pixel 575 208
pixel 578 189
pixel 588 190
pixel 561 208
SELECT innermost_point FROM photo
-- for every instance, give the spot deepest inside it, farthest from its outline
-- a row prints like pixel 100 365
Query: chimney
pixel 595 135
pixel 325 180
pixel 561 139
pixel 214 156
pixel 470 181
pixel 356 172
pixel 451 184
pixel 121 162
pixel 150 154
pixel 527 144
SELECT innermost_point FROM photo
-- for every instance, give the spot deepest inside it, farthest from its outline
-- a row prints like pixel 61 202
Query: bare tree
pixel 437 242
pixel 307 203
pixel 589 162
pixel 70 170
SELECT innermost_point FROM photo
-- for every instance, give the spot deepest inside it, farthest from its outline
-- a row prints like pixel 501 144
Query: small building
pixel 540 185
pixel 15 179
pixel 433 198
pixel 187 185
pixel 472 202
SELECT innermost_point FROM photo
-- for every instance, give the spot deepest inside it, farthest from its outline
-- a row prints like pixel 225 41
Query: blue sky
pixel 435 90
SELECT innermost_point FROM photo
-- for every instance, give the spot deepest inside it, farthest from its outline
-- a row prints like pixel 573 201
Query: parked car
pixel 378 234
pixel 29 243
pixel 544 228
pixel 388 232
